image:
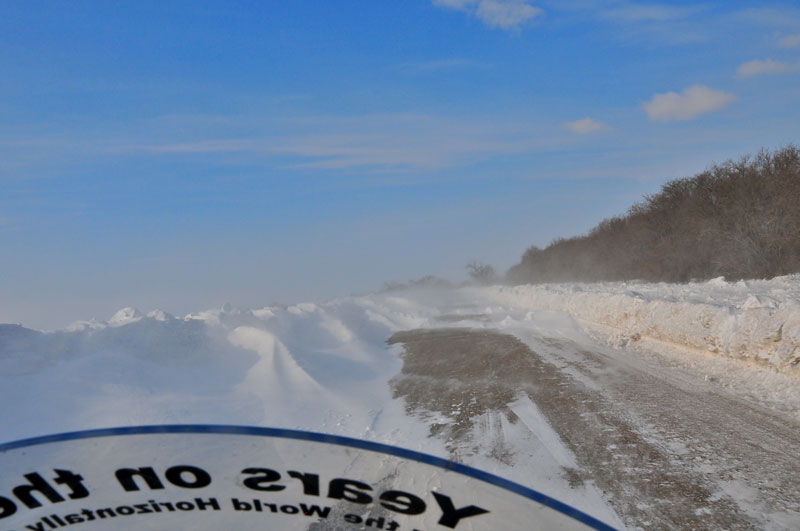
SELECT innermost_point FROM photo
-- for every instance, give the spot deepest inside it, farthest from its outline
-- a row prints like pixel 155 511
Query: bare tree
pixel 481 273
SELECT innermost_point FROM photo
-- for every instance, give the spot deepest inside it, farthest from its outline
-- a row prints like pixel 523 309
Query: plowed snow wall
pixel 766 334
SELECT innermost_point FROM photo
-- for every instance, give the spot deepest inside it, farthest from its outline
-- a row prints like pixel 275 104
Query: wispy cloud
pixel 585 126
pixel 686 105
pixel 790 41
pixel 441 65
pixel 662 22
pixel 784 17
pixel 383 142
pixel 374 144
pixel 630 12
pixel 759 67
pixel 455 4
pixel 502 14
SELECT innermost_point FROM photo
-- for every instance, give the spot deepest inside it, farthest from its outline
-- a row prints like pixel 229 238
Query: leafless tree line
pixel 740 219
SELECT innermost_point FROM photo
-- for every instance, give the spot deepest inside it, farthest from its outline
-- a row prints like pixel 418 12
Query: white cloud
pixel 758 67
pixel 585 126
pixel 647 13
pixel 790 41
pixel 689 104
pixel 506 14
pixel 503 14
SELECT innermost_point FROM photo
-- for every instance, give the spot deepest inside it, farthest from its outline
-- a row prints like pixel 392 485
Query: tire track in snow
pixel 464 373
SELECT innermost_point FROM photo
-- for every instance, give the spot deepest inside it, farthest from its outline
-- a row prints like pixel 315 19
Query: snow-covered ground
pixel 327 366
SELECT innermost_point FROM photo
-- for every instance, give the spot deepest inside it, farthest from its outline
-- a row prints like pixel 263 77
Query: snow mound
pixel 159 315
pixel 125 316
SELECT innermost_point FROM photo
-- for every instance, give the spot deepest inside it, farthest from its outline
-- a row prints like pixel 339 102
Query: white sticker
pixel 230 477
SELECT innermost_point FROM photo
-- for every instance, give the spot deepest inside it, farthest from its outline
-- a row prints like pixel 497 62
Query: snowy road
pixel 666 448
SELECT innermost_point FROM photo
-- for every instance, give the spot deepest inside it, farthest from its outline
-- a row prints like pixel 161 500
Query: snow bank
pixel 753 321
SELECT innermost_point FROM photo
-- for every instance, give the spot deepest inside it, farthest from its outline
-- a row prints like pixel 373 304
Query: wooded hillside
pixel 740 219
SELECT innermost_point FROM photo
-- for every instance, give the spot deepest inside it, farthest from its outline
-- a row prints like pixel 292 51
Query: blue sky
pixel 179 155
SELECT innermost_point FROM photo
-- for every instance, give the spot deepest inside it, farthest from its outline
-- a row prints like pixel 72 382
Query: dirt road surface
pixel 668 451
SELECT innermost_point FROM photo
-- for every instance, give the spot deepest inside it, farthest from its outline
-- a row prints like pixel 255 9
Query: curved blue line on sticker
pixel 338 440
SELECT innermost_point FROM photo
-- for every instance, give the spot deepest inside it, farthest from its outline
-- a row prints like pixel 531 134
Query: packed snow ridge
pixel 755 321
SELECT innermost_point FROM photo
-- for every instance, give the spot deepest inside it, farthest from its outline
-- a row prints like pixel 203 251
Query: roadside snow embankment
pixel 752 321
